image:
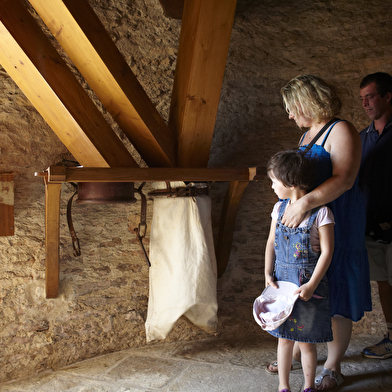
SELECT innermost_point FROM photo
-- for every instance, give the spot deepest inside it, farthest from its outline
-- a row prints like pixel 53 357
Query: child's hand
pixel 305 291
pixel 270 281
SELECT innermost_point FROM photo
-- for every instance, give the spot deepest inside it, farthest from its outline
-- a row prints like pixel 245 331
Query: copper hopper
pixel 105 192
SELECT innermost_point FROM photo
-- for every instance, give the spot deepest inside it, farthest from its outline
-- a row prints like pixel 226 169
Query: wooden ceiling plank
pixel 29 58
pixel 204 42
pixel 82 35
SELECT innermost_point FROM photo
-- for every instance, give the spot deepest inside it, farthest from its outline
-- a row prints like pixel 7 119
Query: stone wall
pixel 104 292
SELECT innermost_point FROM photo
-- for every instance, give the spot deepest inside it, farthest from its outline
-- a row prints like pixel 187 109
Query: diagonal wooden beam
pixel 204 41
pixel 82 35
pixel 29 58
pixel 227 223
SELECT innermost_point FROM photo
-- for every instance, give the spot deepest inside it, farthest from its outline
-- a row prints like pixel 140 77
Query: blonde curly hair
pixel 311 97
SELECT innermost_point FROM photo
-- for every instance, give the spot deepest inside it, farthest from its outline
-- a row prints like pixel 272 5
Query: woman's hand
pixel 344 147
pixel 294 214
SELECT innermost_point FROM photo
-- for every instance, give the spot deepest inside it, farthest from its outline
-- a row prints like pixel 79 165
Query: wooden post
pixel 202 52
pixel 227 223
pixel 7 204
pixel 52 238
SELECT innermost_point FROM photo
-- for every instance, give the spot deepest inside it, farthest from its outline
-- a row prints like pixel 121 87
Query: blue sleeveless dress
pixel 310 321
pixel 348 274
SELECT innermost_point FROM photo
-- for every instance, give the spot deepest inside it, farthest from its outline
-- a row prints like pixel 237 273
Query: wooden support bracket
pixel 7 225
pixel 227 223
pixel 55 175
pixel 52 237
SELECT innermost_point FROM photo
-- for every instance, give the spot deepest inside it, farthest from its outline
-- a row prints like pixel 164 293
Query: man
pixel 375 180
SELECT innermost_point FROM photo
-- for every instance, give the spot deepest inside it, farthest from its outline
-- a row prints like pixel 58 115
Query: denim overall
pixel 310 321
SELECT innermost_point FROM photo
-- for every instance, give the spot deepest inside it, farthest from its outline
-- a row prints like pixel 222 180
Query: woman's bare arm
pixel 344 145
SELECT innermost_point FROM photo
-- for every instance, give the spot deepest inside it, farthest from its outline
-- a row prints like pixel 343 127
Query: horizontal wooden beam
pixel 35 66
pixel 57 174
pixel 90 47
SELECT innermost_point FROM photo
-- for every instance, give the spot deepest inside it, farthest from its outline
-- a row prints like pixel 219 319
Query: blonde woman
pixel 336 154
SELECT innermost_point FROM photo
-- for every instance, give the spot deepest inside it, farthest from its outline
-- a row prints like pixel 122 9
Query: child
pixel 299 255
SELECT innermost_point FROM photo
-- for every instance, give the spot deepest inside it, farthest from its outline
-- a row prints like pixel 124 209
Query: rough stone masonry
pixel 103 293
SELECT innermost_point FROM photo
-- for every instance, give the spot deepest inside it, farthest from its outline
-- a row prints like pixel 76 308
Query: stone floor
pixel 209 365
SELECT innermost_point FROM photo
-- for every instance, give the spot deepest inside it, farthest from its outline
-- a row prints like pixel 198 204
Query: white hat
pixel 274 306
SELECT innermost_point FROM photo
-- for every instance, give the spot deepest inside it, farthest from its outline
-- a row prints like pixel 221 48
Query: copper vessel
pixel 105 192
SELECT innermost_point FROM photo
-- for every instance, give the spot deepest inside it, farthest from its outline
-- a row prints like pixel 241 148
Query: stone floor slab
pixel 212 365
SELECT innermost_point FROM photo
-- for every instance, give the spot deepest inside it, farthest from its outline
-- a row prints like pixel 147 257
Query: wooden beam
pixel 29 58
pixel 7 225
pixel 227 223
pixel 52 238
pixel 72 174
pixel 82 35
pixel 204 41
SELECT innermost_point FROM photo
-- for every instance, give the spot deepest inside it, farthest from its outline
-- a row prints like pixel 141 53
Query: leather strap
pixel 75 240
pixel 322 130
pixel 142 229
pixel 184 191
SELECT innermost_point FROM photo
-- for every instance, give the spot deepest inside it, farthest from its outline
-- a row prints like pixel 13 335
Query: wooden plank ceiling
pixel 30 59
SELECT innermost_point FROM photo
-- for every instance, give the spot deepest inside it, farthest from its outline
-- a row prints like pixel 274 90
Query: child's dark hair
pixel 292 168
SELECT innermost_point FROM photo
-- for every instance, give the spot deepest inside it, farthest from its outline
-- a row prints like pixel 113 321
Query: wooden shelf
pixel 54 176
pixel 57 174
